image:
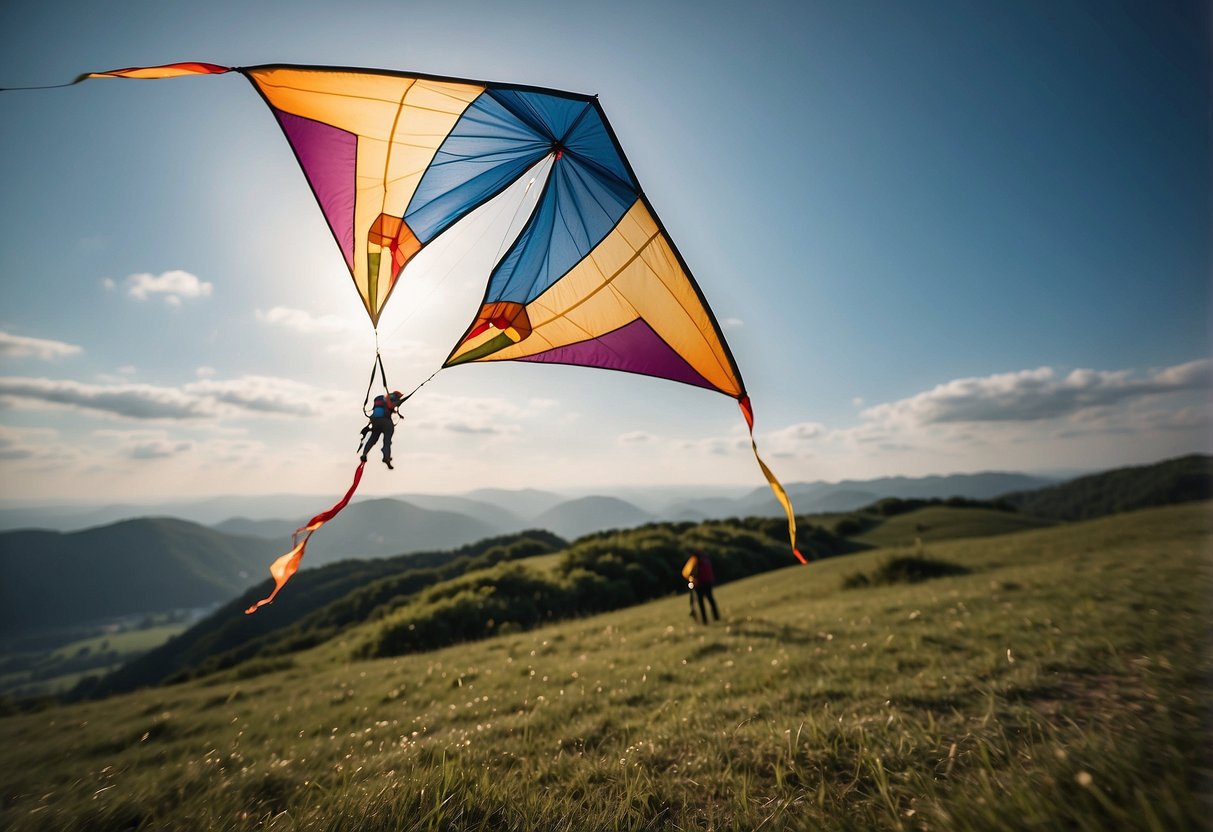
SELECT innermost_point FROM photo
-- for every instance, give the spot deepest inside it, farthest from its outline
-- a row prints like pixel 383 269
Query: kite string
pixel 44 87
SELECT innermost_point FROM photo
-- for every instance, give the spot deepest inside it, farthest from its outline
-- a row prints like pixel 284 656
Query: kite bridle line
pixel 378 364
pixel 450 271
pixel 445 277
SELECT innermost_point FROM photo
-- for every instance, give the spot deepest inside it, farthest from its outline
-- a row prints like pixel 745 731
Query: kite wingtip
pixel 800 557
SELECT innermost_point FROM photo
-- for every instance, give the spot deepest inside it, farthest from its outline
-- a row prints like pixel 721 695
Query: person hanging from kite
pixel 382 425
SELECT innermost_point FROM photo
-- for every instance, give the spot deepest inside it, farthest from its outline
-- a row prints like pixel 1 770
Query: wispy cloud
pixel 174 287
pixel 1034 395
pixel 1028 419
pixel 470 415
pixel 21 346
pixel 713 446
pixel 158 448
pixel 25 443
pixel 203 399
pixel 305 322
pixel 263 394
pixel 149 445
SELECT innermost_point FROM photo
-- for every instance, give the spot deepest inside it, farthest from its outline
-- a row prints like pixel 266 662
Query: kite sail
pixel 593 279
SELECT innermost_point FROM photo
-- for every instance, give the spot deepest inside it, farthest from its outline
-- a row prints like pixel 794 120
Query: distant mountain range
pixel 498 511
pixel 156 564
pixel 379 528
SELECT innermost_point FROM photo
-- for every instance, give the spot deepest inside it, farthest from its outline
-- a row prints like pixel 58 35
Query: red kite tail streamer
pixel 163 71
pixel 780 493
pixel 282 569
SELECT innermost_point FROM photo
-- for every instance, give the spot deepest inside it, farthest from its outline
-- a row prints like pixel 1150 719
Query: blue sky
pixel 941 237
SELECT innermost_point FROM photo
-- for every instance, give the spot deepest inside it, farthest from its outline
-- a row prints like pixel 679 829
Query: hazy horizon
pixel 574 492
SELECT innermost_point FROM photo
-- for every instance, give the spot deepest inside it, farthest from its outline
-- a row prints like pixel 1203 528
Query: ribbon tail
pixel 281 570
pixel 163 71
pixel 287 565
pixel 780 493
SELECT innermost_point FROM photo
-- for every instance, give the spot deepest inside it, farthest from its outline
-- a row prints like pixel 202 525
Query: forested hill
pixel 149 565
pixel 317 604
pixel 1182 480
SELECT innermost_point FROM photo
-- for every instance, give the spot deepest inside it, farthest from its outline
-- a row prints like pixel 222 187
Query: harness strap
pixel 370 384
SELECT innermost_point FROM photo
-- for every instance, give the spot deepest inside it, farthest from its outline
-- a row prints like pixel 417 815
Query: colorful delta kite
pixel 593 279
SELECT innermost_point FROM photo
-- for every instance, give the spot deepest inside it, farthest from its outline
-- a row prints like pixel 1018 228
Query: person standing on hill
pixel 702 578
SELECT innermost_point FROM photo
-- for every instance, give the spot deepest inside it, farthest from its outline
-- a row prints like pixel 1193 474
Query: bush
pixel 905 569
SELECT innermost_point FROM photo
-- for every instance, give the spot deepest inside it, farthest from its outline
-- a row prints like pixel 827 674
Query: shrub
pixel 904 569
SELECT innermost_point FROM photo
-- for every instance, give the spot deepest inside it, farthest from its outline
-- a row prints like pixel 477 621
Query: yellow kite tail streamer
pixel 780 494
pixel 282 569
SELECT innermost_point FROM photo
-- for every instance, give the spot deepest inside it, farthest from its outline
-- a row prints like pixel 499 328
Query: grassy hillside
pixel 428 601
pixel 432 600
pixel 1062 684
pixel 32 674
pixel 936 523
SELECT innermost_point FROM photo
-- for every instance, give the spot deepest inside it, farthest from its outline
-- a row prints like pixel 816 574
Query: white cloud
pixel 636 437
pixel 1035 395
pixel 470 415
pixel 800 432
pixel 264 394
pixel 1027 420
pixel 731 323
pixel 160 449
pixel 204 399
pixel 173 286
pixel 133 401
pixel 21 346
pixel 305 322
pixel 148 445
pixel 26 443
pixel 713 446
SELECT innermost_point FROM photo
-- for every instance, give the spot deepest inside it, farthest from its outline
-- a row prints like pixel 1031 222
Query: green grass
pixel 125 642
pixel 58 670
pixel 1063 684
pixel 937 523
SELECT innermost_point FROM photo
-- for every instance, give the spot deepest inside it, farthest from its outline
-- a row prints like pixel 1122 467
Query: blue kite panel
pixel 549 115
pixel 578 209
pixel 489 148
pixel 591 142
